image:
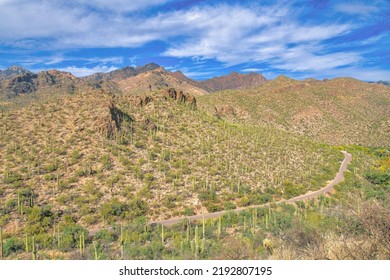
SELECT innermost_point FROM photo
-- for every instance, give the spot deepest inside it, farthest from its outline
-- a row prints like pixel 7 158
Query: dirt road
pixel 338 178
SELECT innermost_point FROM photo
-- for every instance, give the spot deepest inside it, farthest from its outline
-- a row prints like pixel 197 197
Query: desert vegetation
pixel 338 111
pixel 351 224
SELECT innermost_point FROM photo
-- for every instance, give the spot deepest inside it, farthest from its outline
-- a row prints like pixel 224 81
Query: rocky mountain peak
pixel 13 71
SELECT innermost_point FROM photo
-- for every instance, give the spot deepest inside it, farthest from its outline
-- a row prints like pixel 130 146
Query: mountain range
pixel 16 81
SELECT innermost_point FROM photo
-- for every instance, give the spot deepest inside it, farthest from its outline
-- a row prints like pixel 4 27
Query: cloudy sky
pixel 300 39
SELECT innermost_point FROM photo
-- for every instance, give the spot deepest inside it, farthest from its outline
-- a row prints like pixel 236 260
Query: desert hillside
pixel 338 111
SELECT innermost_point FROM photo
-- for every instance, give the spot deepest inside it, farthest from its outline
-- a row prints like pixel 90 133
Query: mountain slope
pixel 339 111
pixel 156 79
pixel 233 81
pixel 86 155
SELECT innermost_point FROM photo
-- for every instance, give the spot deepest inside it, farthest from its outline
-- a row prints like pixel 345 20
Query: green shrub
pixel 229 205
pixel 12 245
pixel 378 178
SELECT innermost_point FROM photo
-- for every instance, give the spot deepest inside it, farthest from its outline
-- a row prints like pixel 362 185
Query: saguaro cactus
pixel 1 243
pixel 95 250
pixel 34 249
pixel 82 244
pixel 219 227
pixel 204 234
pixel 196 241
pixel 188 233
pixel 122 243
pixel 162 234
pixel 26 243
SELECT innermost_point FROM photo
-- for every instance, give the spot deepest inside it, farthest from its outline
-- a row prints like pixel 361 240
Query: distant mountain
pixel 386 83
pixel 180 76
pixel 157 79
pixel 13 71
pixel 45 82
pixel 123 73
pixel 233 81
pixel 17 81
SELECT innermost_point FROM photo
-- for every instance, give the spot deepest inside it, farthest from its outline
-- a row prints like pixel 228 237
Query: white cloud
pixel 64 24
pixel 101 60
pixel 309 57
pixel 239 41
pixel 60 57
pixel 85 71
pixel 252 69
pixel 197 74
pixel 121 5
pixel 356 8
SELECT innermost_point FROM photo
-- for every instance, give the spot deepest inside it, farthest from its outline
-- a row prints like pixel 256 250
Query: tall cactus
pixel 34 249
pixel 162 234
pixel 95 250
pixel 219 227
pixel 81 244
pixel 254 221
pixel 196 241
pixel 122 243
pixel 26 243
pixel 19 202
pixel 1 243
pixel 58 236
pixel 204 234
pixel 188 233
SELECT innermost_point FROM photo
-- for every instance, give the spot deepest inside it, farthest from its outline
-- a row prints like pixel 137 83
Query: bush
pixel 378 178
pixel 113 208
pixel 188 212
pixel 137 208
pixel 70 236
pixel 244 201
pixel 39 219
pixel 229 205
pixel 105 235
pixel 12 245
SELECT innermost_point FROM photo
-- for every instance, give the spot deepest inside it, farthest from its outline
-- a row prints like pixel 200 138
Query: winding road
pixel 329 187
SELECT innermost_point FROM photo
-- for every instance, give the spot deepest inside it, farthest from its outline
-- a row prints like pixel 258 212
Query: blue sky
pixel 300 39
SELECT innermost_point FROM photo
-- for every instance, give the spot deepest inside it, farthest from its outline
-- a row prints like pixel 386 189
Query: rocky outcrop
pixel 110 122
pixel 181 97
pixel 21 84
pixel 140 101
pixel 149 125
